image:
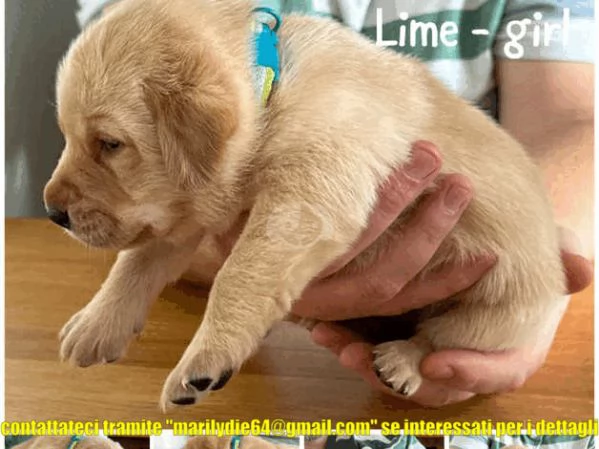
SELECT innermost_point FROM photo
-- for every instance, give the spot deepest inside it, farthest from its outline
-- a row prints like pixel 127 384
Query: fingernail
pixel 422 165
pixel 456 198
pixel 488 262
pixel 442 373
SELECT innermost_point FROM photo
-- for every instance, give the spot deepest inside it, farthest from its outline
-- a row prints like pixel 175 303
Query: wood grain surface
pixel 49 277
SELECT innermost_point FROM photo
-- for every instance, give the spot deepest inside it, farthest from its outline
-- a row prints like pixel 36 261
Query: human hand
pixel 390 286
pixel 452 375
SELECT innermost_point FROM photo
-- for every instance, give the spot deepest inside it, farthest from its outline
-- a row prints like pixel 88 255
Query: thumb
pixel 481 373
pixel 578 269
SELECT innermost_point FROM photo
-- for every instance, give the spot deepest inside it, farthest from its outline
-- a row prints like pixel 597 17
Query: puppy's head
pixel 146 109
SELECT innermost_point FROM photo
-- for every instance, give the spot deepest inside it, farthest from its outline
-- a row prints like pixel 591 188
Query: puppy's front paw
pixel 94 335
pixel 203 368
pixel 397 364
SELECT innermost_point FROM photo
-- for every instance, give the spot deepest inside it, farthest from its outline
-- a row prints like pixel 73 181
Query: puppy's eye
pixel 110 145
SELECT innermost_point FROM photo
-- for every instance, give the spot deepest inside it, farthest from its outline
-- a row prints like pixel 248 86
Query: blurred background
pixel 38 33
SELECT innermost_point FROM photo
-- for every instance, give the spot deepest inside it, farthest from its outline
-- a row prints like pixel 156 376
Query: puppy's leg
pixel 102 330
pixel 509 321
pixel 266 272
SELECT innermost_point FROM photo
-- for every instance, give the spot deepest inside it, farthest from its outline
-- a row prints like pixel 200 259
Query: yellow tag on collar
pixel 265 80
pixel 267 63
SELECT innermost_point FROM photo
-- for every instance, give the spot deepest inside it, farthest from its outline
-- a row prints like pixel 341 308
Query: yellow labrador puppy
pixel 167 145
pixel 51 442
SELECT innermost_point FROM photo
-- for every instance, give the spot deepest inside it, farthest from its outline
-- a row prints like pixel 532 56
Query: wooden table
pixel 49 277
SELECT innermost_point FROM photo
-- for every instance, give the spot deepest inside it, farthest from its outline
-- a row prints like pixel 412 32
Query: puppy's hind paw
pixel 397 364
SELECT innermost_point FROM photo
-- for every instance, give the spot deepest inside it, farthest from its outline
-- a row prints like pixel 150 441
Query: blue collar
pixel 235 442
pixel 267 67
pixel 75 439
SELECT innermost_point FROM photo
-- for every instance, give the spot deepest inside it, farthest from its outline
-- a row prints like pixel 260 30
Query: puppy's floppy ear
pixel 195 111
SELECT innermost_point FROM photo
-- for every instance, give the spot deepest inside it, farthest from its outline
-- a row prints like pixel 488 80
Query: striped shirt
pixel 458 39
pixel 531 442
pixel 374 442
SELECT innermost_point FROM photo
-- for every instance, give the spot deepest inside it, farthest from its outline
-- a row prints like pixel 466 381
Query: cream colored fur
pixel 48 442
pixel 171 80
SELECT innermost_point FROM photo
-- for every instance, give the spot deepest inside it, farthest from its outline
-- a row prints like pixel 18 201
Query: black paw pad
pixel 223 380
pixel 201 384
pixel 385 382
pixel 184 401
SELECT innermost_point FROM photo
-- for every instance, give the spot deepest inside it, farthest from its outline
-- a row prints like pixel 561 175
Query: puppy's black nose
pixel 60 217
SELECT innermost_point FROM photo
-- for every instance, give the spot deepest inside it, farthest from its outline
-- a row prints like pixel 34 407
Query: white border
pixel 596 216
pixel 2 224
pixel 3 139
